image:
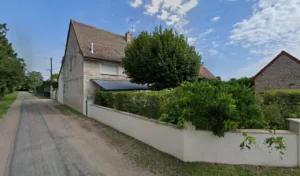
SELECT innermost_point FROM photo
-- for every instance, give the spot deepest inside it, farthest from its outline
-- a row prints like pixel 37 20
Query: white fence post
pixel 295 127
pixel 89 101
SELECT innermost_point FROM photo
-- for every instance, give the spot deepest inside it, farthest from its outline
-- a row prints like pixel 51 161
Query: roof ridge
pixel 97 28
pixel 289 55
pixel 274 59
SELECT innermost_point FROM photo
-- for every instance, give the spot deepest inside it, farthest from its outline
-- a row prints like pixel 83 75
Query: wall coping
pixel 294 120
pixel 249 131
pixel 138 116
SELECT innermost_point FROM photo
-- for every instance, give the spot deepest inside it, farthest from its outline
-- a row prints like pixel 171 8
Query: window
pixel 292 86
pixel 109 69
pixel 71 58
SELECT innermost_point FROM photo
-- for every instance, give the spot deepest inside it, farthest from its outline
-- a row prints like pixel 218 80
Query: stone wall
pixel 73 74
pixel 284 73
pixel 92 71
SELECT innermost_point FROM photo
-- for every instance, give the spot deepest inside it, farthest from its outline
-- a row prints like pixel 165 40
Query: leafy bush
pixel 242 81
pixel 215 106
pixel 278 105
pixel 142 103
pixel 219 107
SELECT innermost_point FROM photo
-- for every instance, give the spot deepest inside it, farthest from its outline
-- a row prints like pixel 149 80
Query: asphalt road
pixel 49 142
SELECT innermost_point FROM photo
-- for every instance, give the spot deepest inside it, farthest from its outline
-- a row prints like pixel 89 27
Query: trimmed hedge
pixel 278 105
pixel 146 104
pixel 215 106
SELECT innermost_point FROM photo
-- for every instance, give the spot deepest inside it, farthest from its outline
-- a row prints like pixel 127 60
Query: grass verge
pixel 69 111
pixel 6 101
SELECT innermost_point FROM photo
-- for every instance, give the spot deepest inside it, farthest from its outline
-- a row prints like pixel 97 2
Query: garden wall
pixel 198 145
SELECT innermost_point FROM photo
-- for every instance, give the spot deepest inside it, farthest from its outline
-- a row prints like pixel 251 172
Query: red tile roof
pixel 283 53
pixel 205 73
pixel 107 45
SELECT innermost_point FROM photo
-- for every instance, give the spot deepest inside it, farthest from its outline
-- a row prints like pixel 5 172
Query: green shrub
pixel 142 103
pixel 219 107
pixel 285 104
pixel 215 106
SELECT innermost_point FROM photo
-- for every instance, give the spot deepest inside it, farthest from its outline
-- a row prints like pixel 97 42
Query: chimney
pixel 92 47
pixel 128 37
pixel 202 63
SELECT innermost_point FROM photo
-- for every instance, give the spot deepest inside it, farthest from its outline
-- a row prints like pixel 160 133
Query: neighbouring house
pixel 205 73
pixel 283 72
pixel 92 61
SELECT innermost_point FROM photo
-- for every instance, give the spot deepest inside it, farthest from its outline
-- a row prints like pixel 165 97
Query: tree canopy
pixel 34 79
pixel 162 59
pixel 12 68
pixel 55 76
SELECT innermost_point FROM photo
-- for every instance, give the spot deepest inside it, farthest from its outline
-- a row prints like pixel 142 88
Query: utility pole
pixel 51 75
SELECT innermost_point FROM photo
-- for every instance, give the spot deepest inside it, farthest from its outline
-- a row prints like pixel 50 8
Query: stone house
pixel 91 55
pixel 92 61
pixel 283 72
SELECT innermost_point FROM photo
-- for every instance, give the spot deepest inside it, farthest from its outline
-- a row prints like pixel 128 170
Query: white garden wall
pixel 197 145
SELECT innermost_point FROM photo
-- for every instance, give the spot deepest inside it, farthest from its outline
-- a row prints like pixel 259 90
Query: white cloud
pixel 173 12
pixel 215 19
pixel 192 40
pixel 164 15
pixel 273 26
pixel 231 43
pixel 207 32
pixel 154 7
pixel 215 44
pixel 213 52
pixel 136 3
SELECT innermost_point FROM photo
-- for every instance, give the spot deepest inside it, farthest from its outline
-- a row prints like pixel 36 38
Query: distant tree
pixel 242 81
pixel 55 76
pixel 162 59
pixel 34 79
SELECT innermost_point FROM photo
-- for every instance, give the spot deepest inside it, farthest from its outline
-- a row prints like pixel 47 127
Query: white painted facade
pixel 77 72
pixel 60 89
pixel 198 145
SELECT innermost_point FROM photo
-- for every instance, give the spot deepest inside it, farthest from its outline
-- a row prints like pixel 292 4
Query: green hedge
pixel 142 103
pixel 215 106
pixel 278 105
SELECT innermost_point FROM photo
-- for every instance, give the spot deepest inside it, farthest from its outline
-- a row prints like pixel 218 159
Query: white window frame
pixel 107 73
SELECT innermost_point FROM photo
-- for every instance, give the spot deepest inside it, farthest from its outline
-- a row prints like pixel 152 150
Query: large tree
pixel 12 68
pixel 162 59
pixel 34 79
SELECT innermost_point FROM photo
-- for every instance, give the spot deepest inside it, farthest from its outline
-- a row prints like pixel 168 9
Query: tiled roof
pixel 107 45
pixel 205 73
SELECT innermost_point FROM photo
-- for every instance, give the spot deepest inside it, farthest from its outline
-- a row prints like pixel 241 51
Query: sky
pixel 236 38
